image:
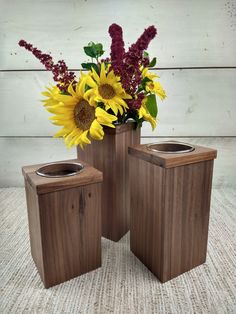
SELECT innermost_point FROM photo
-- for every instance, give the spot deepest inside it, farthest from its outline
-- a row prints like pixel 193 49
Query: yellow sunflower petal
pixel 90 82
pixel 114 107
pixel 143 113
pixel 105 118
pixel 103 74
pixel 62 132
pixel 95 76
pixel 96 131
pixel 71 90
pixel 81 87
pixel 66 99
pixel 84 139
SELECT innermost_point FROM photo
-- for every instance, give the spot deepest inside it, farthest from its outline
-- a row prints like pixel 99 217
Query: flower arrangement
pixel 112 91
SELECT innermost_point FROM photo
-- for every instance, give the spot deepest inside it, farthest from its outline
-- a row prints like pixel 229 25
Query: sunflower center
pixel 106 91
pixel 84 115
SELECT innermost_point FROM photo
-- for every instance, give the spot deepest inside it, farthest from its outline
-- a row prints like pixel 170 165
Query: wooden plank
pixel 18 152
pixel 190 33
pixel 199 103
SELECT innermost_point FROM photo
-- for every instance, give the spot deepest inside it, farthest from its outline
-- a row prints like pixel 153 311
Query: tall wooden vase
pixel 111 157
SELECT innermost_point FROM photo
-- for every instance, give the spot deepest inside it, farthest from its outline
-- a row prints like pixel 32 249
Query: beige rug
pixel 123 284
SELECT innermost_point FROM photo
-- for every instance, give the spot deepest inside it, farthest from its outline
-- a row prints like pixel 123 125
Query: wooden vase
pixel 110 156
pixel 170 205
pixel 64 215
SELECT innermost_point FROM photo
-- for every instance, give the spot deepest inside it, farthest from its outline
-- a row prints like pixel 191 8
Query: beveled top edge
pixel 120 128
pixel 164 160
pixel 43 185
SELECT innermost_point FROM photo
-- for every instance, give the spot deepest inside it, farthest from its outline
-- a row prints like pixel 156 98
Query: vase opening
pixel 58 170
pixel 170 147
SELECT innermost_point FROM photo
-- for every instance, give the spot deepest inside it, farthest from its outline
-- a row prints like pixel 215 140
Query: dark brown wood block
pixel 170 209
pixel 65 224
pixel 111 157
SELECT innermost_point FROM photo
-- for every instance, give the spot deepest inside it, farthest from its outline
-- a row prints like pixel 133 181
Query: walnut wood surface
pixel 172 160
pixel 64 226
pixel 34 228
pixel 111 157
pixel 65 232
pixel 170 215
pixel 88 175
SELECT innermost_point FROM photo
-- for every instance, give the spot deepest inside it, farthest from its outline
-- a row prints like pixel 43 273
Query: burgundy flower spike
pixel 60 70
pixel 127 65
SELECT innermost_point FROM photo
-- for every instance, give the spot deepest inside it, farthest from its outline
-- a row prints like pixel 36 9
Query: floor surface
pixel 123 284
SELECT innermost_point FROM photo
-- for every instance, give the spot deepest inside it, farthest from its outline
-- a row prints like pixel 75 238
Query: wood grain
pixel 174 159
pixel 34 228
pixel 170 215
pixel 190 33
pixel 64 226
pixel 111 157
pixel 42 185
pixel 71 232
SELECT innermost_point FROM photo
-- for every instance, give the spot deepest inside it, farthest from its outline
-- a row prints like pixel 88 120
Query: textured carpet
pixel 123 284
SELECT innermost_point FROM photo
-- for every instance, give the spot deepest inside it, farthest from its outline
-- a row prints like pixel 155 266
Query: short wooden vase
pixel 110 156
pixel 64 214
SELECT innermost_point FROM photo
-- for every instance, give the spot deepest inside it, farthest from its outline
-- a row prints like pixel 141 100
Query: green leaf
pixel 146 54
pixel 145 80
pixel 89 66
pixel 152 105
pixel 152 63
pixel 99 50
pixel 90 51
pixel 94 50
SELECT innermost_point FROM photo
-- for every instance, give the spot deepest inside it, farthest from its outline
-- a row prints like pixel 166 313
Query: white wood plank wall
pixel 195 47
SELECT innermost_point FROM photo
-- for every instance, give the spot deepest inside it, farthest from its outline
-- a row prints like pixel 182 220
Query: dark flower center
pixel 84 115
pixel 106 91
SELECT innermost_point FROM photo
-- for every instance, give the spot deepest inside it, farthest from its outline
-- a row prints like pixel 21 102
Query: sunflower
pixel 107 89
pixel 151 85
pixel 78 116
pixel 156 88
pixel 143 113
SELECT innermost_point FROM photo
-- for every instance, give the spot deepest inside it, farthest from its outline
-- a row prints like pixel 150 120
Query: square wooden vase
pixel 170 190
pixel 110 156
pixel 64 215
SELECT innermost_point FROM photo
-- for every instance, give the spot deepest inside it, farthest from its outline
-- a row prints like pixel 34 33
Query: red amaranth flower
pixel 117 48
pixel 134 59
pixel 144 40
pixel 136 103
pixel 127 65
pixel 60 70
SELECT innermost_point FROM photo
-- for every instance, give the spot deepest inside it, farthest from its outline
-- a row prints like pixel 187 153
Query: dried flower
pixel 127 65
pixel 60 70
pixel 117 48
